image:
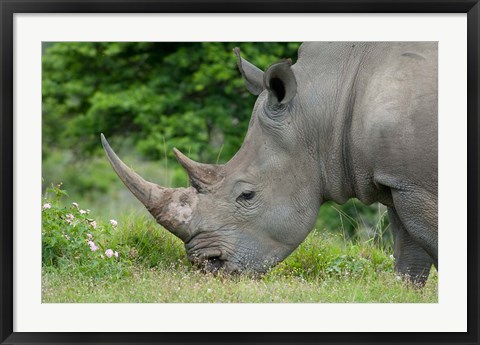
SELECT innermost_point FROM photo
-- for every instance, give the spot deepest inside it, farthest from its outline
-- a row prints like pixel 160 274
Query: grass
pixel 185 286
pixel 330 266
pixel 326 268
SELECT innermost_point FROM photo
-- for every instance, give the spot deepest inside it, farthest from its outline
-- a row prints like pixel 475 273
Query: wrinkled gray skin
pixel 347 120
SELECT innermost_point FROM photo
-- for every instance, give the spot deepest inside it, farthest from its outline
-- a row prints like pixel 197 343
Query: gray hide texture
pixel 347 120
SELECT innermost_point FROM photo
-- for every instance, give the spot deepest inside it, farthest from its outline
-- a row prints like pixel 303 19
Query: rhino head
pixel 252 212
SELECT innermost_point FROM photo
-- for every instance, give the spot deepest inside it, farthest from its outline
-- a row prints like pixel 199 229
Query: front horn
pixel 172 208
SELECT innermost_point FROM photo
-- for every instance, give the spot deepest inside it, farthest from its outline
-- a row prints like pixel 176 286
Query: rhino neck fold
pixel 337 85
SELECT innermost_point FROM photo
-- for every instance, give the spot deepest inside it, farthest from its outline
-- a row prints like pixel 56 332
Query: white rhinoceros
pixel 348 120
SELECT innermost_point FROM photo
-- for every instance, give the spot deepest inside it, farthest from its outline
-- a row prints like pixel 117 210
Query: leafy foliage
pixel 187 95
pixel 72 240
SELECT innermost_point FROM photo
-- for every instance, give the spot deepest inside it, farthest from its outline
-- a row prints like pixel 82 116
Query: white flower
pixel 116 254
pixel 70 218
pixel 113 222
pixel 109 253
pixel 89 236
pixel 47 206
pixel 93 224
pixel 92 245
pixel 75 204
pixel 83 212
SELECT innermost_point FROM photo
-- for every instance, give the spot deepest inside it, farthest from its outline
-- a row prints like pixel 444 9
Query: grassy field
pixel 184 286
pixel 152 268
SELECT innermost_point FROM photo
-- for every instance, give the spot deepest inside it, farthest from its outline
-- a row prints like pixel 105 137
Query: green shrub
pixel 325 255
pixel 72 240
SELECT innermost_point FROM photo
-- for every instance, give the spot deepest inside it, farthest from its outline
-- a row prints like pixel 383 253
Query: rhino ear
pixel 252 75
pixel 280 82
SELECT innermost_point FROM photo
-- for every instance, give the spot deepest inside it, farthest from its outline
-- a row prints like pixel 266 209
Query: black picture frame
pixel 10 7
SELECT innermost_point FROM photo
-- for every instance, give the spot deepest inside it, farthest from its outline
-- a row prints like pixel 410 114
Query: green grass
pixel 153 269
pixel 186 286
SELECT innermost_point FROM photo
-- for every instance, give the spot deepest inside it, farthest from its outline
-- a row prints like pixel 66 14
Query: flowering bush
pixel 72 239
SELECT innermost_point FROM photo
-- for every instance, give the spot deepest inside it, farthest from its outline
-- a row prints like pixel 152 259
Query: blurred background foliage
pixel 148 98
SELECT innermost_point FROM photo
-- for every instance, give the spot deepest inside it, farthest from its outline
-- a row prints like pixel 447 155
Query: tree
pixel 160 95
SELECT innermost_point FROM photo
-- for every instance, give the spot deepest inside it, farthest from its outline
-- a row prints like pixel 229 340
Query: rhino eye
pixel 248 195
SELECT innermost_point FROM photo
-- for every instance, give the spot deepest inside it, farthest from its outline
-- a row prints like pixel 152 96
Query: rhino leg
pixel 411 260
pixel 417 210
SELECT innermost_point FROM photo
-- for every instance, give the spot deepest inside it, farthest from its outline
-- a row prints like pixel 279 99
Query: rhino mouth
pixel 213 264
pixel 207 259
pixel 213 261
